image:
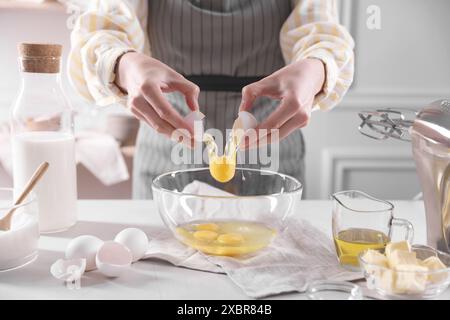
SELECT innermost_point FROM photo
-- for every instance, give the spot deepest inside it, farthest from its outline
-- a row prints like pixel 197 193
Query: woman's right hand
pixel 145 80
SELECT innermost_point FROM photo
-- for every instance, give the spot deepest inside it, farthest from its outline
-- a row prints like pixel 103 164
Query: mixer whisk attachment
pixel 387 123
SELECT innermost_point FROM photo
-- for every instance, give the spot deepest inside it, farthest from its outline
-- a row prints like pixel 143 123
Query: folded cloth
pixel 100 153
pixel 164 246
pixel 297 256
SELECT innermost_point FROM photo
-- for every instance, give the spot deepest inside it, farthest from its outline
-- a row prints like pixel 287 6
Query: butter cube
pixel 400 257
pixel 375 259
pixel 410 279
pixel 394 246
pixel 434 264
pixel 385 280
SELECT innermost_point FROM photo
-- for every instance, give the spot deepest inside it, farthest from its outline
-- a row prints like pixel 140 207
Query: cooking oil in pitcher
pixel 351 242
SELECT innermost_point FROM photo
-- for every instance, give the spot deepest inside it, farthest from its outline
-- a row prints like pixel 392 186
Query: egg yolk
pixel 230 238
pixel 205 235
pixel 207 227
pixel 226 238
pixel 222 168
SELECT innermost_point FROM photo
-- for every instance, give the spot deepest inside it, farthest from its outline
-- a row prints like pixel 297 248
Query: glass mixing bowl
pixel 253 198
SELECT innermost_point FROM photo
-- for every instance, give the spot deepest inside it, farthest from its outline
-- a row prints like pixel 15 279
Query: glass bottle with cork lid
pixel 42 130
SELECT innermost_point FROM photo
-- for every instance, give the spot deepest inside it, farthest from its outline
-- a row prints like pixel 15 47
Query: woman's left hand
pixel 295 85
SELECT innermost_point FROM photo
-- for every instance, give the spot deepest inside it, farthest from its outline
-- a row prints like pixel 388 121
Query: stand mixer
pixel 428 130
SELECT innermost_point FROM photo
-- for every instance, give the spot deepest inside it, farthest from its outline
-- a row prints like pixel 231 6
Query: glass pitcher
pixel 362 222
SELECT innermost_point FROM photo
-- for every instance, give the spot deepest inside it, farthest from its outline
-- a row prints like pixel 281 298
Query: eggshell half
pixel 135 240
pixel 194 116
pixel 113 259
pixel 194 119
pixel 245 121
pixel 84 247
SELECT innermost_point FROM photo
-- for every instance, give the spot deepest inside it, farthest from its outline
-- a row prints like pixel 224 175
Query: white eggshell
pixel 245 121
pixel 113 259
pixel 68 270
pixel 84 247
pixel 134 239
pixel 194 116
pixel 192 119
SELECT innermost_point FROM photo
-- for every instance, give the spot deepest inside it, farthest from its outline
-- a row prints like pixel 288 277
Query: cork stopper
pixel 40 57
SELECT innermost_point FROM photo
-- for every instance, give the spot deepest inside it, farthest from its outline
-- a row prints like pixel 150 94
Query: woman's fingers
pixel 267 87
pixel 249 95
pixel 287 109
pixel 144 111
pixel 163 108
pixel 299 120
pixel 190 91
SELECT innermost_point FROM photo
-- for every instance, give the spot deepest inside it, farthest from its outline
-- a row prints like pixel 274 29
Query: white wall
pixel 21 25
pixel 406 64
pixel 31 25
pixel 403 65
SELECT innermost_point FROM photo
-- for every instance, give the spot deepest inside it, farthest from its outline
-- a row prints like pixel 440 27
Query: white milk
pixel 57 191
pixel 19 245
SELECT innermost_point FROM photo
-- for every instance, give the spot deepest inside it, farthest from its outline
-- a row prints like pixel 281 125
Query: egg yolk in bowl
pixel 226 238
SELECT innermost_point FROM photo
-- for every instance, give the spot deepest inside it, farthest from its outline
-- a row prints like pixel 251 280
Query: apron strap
pixel 222 83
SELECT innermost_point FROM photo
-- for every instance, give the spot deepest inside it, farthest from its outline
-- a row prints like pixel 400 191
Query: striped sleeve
pixel 104 31
pixel 313 31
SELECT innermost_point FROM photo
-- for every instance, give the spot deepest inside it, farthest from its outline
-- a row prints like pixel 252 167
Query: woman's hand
pixel 145 80
pixel 295 85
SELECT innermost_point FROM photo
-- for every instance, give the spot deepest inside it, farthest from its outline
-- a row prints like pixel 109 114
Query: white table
pixel 150 279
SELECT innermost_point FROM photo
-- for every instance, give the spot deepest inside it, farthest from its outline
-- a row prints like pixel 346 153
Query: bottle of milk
pixel 42 130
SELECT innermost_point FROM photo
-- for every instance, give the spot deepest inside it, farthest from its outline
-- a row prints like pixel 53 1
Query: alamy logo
pixel 373 21
pixel 74 11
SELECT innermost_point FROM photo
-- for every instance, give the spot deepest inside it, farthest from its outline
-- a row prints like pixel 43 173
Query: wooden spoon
pixel 5 222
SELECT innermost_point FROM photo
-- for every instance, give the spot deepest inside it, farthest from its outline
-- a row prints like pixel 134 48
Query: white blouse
pixel 107 29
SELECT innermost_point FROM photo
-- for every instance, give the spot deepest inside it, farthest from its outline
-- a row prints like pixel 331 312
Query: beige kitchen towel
pixel 100 153
pixel 297 256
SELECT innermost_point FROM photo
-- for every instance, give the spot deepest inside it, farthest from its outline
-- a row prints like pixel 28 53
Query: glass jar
pixel 42 130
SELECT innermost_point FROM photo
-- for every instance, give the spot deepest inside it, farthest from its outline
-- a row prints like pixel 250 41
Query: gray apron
pixel 210 40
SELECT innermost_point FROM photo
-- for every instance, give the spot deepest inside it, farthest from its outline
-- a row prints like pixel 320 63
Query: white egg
pixel 134 239
pixel 113 259
pixel 84 247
